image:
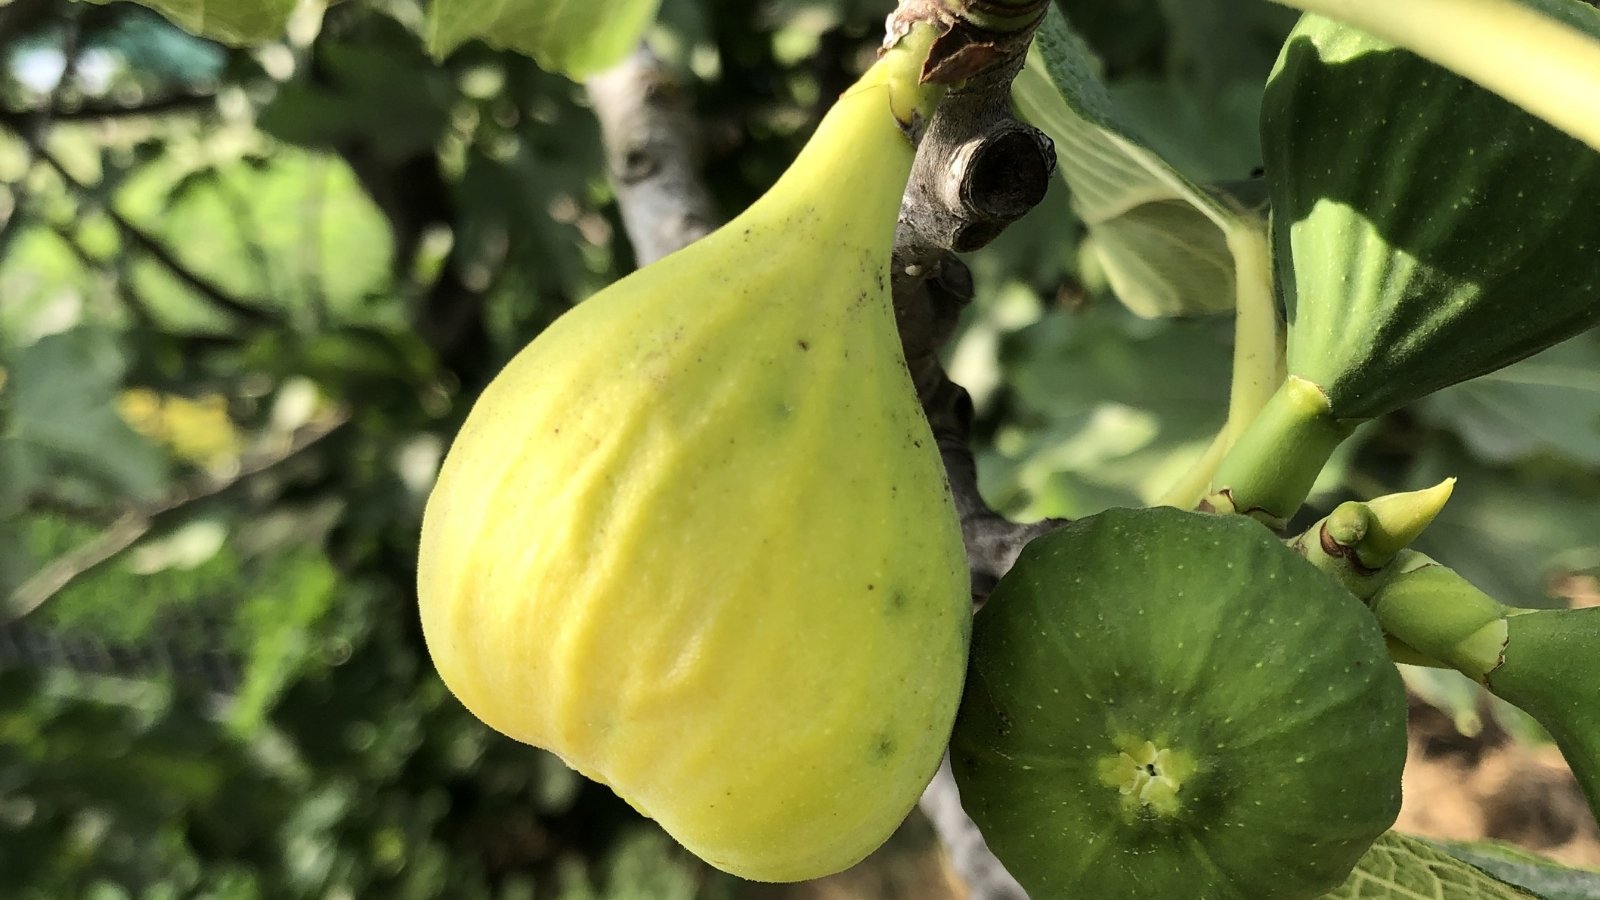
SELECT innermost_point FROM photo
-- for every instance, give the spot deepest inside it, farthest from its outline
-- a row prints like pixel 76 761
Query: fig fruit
pixel 1169 704
pixel 1435 231
pixel 1425 231
pixel 696 537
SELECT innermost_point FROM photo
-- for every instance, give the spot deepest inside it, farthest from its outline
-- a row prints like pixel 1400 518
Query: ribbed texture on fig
pixel 1166 704
pixel 696 538
pixel 1426 230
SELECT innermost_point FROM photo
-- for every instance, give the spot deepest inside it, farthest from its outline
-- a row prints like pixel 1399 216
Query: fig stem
pixel 1192 487
pixel 1540 660
pixel 1258 354
pixel 1269 471
pixel 975 37
pixel 1545 66
pixel 1549 672
pixel 1442 616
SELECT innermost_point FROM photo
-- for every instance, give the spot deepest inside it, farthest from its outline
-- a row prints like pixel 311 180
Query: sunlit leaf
pixel 574 37
pixel 1160 240
pixel 236 22
pixel 1546 404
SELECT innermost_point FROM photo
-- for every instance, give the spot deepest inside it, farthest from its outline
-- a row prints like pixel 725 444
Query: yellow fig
pixel 696 537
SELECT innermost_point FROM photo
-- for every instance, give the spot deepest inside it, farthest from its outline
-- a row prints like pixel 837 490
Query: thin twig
pixel 135 523
pixel 34 127
pixel 251 310
pixel 96 112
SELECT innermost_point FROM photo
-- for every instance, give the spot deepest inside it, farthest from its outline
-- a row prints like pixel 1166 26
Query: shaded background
pixel 247 296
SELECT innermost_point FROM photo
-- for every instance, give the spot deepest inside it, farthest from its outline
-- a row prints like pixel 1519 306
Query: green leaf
pixel 574 37
pixel 1546 404
pixel 1109 411
pixel 1535 873
pixel 1208 139
pixel 1513 534
pixel 1399 867
pixel 58 402
pixel 294 232
pixel 234 22
pixel 1160 239
pixel 386 93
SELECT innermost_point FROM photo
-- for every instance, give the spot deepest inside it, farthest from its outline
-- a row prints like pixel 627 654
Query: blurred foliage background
pixel 247 295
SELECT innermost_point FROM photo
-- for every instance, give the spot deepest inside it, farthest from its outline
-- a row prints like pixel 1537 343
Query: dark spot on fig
pixel 804 345
pixel 898 601
pixel 884 749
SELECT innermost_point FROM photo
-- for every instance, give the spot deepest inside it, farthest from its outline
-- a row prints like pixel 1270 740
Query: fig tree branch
pixel 135 523
pixel 251 311
pixel 978 169
pixel 105 111
pixel 652 148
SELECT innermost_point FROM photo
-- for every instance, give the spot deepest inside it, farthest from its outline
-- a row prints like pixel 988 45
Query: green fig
pixel 1425 231
pixel 1434 230
pixel 696 538
pixel 1168 704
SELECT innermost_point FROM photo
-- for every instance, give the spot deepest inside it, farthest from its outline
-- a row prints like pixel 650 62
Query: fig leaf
pixel 1402 867
pixel 236 22
pixel 573 37
pixel 1160 239
pixel 1534 873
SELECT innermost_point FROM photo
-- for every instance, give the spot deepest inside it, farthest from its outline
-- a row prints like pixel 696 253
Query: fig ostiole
pixel 1170 704
pixel 696 538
